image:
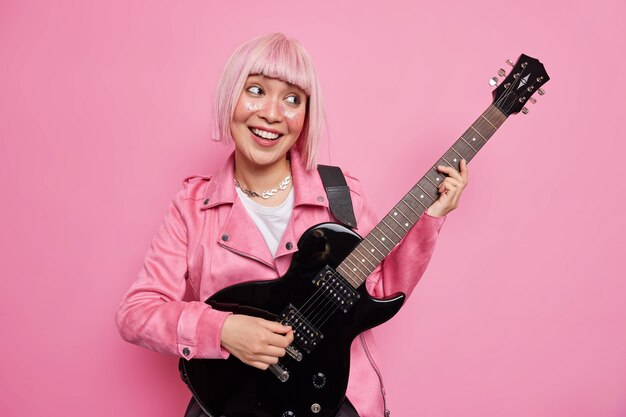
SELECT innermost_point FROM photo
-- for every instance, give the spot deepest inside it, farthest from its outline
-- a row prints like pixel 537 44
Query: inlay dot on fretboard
pixel 406 224
pixel 454 159
pixel 421 195
pixel 382 239
pixel 362 260
pixel 372 251
pixel 354 269
pixel 437 178
pixel 395 213
pixel 473 139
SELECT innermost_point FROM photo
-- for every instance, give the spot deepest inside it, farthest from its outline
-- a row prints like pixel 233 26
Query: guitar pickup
pixel 306 336
pixel 336 289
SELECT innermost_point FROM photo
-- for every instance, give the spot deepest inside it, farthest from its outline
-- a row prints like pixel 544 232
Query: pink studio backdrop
pixel 104 108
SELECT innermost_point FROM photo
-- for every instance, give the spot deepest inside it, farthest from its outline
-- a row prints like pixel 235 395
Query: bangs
pixel 283 60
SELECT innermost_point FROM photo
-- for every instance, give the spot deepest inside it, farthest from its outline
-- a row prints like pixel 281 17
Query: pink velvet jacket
pixel 207 241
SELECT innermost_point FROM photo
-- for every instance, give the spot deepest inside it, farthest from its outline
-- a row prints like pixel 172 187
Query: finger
pixel 259 365
pixel 263 364
pixel 449 171
pixel 448 184
pixel 279 340
pixel 464 171
pixel 275 327
pixel 273 351
pixel 266 359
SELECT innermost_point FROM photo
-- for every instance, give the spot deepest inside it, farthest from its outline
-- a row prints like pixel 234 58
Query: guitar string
pixel 322 309
pixel 480 124
pixel 318 303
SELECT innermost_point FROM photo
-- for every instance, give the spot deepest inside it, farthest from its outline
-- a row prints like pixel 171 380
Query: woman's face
pixel 268 119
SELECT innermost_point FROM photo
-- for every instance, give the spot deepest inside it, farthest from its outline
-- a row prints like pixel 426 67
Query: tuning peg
pixel 508 61
pixel 541 91
pixel 501 72
pixel 493 81
pixel 532 100
pixel 524 110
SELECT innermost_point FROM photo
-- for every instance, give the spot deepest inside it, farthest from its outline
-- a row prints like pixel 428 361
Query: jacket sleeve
pixel 402 269
pixel 152 313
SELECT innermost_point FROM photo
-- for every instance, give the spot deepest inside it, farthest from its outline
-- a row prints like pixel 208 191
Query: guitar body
pixel 316 383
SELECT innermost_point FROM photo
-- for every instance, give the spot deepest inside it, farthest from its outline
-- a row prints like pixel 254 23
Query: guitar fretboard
pixel 394 226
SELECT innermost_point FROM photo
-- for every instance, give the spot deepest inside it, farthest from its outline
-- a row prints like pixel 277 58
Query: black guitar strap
pixel 338 194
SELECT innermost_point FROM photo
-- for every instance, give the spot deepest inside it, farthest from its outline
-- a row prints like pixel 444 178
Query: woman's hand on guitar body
pixel 255 341
pixel 450 190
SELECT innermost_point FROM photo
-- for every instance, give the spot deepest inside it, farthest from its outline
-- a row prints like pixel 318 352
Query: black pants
pixel 194 410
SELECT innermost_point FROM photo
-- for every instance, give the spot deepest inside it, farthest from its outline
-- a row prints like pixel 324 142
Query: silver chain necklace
pixel 265 194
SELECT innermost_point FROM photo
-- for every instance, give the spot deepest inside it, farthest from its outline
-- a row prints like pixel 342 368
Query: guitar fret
pixel 495 128
pixel 391 228
pixel 355 263
pixel 385 237
pixel 418 200
pixel 371 250
pixel 460 156
pixel 399 224
pixel 345 273
pixel 374 248
pixel 465 149
pixel 397 209
pixel 381 242
pixel 354 268
pixel 479 134
pixel 468 144
pixel 363 257
pixel 429 180
pixel 410 208
pixel 377 244
pixel 446 161
pixel 488 128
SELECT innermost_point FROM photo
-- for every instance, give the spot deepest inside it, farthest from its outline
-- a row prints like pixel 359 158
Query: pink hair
pixel 275 56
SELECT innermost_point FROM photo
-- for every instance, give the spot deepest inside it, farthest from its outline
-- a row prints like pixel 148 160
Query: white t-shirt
pixel 271 221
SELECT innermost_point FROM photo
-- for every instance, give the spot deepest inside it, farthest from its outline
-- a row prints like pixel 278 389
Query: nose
pixel 271 112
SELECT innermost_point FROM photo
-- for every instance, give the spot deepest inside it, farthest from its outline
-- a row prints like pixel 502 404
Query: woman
pixel 244 222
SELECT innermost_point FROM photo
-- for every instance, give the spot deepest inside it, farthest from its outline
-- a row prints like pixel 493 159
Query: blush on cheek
pixel 289 114
pixel 252 106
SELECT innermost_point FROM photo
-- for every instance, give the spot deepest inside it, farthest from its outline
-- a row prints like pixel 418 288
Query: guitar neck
pixel 394 226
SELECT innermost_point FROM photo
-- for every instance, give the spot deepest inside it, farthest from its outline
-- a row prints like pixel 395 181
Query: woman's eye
pixel 255 89
pixel 293 99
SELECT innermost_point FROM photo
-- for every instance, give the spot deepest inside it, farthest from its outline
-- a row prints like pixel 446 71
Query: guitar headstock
pixel 524 80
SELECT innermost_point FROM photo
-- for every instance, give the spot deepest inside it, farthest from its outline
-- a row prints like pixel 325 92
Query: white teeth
pixel 264 134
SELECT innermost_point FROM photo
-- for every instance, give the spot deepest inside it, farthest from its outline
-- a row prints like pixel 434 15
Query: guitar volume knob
pixel 319 380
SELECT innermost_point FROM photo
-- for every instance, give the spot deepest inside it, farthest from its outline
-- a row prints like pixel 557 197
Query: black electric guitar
pixel 322 295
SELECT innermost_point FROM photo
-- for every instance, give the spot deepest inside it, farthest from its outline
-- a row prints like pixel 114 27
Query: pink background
pixel 104 108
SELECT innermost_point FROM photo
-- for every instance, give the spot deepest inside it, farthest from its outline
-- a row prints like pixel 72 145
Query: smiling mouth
pixel 264 134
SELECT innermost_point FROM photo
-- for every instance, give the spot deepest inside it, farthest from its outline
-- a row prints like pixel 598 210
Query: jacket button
pixel 225 237
pixel 289 246
pixel 206 201
pixel 320 199
pixel 186 351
